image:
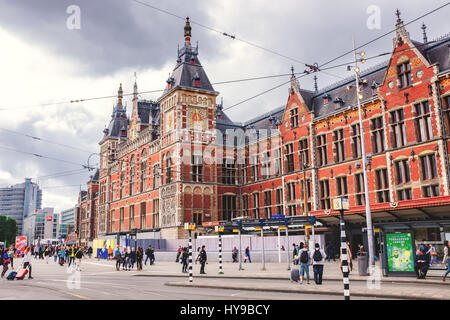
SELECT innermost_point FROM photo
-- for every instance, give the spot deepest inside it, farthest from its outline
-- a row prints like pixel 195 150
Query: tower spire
pixel 424 28
pixel 135 90
pixel 120 96
pixel 187 32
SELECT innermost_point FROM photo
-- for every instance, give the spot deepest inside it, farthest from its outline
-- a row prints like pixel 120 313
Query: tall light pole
pixel 364 161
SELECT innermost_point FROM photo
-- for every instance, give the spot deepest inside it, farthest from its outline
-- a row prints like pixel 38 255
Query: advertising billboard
pixel 21 243
pixel 49 218
pixel 400 252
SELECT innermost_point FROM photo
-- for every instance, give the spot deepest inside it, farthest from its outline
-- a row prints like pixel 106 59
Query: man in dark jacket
pixel 203 259
pixel 152 255
pixel 147 253
pixel 422 262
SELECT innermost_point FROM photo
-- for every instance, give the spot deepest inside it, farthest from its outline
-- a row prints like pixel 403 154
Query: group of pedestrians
pixel 426 256
pixel 305 257
pixel 127 257
pixel 183 258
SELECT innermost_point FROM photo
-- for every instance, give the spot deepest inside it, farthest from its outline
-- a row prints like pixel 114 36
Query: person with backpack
pixel 305 261
pixel 318 257
pixel 62 256
pixel 422 262
pixel 11 257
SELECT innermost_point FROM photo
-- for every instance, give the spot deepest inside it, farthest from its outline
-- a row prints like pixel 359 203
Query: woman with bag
pixel 349 257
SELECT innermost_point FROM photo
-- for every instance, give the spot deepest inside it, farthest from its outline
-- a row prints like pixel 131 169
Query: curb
pixel 332 293
pixel 287 279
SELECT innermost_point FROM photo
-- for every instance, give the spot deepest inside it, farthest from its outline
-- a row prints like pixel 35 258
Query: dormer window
pixel 326 97
pixel 196 80
pixel 124 133
pixel 192 60
pixel 404 74
pixel 338 102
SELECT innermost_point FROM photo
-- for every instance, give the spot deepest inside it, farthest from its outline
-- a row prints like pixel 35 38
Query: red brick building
pixel 182 159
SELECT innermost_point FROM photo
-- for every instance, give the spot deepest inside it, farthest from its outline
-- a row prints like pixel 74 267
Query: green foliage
pixel 8 230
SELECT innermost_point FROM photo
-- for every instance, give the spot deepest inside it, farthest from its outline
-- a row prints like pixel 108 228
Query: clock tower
pixel 188 113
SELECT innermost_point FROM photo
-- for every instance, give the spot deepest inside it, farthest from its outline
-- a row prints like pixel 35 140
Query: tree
pixel 8 230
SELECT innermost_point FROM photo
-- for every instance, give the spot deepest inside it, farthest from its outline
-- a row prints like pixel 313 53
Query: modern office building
pixel 20 200
pixel 68 216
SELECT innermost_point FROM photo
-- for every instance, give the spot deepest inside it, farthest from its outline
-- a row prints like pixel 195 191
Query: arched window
pixel 132 174
pixel 143 170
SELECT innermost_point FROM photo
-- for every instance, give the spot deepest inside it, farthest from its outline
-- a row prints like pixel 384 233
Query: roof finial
pixel 119 96
pixel 424 28
pixel 187 32
pixel 315 84
pixel 135 90
pixel 292 70
pixel 397 13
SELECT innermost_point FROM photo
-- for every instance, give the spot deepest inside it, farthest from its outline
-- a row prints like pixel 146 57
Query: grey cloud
pixel 113 34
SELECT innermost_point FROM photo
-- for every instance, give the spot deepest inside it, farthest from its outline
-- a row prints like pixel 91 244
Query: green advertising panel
pixel 400 253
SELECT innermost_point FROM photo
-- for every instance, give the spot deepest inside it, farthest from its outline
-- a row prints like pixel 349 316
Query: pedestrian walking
pixel 318 260
pixel 47 254
pixel 147 254
pixel 36 252
pixel 305 261
pixel 178 254
pixel 422 262
pixel 11 257
pixel 294 254
pixel 133 258
pixel 55 254
pixel 27 261
pixel 349 257
pixel 71 255
pixel 446 259
pixel 139 257
pixel 110 253
pixel 117 257
pixel 152 256
pixel 433 255
pixel 247 255
pixel 79 255
pixel 197 258
pixel 203 259
pixel 184 260
pixel 62 256
pixel 125 259
pixel 89 252
pixel 5 261
pixel 234 254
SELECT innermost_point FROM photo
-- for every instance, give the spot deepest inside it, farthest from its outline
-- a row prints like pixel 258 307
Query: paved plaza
pixel 99 279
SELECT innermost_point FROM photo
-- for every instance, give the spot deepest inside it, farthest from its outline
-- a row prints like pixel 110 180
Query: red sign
pixel 49 218
pixel 21 243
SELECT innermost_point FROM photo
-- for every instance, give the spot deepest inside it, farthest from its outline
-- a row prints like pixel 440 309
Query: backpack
pixel 317 256
pixel 304 256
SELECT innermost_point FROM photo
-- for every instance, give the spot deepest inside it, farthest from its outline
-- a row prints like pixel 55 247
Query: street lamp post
pixel 364 161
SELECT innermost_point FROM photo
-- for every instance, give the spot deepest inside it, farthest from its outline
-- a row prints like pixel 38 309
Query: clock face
pixel 197 118
pixel 419 74
pixel 391 84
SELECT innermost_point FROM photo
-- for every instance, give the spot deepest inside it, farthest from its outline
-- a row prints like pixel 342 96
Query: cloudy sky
pixel 43 62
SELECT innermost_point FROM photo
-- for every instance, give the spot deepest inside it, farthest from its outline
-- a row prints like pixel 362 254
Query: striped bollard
pixel 220 253
pixel 345 270
pixel 190 257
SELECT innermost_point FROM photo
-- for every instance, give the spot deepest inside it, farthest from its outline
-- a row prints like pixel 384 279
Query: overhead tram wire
pixel 383 35
pixel 215 83
pixel 45 157
pixel 220 32
pixel 45 140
